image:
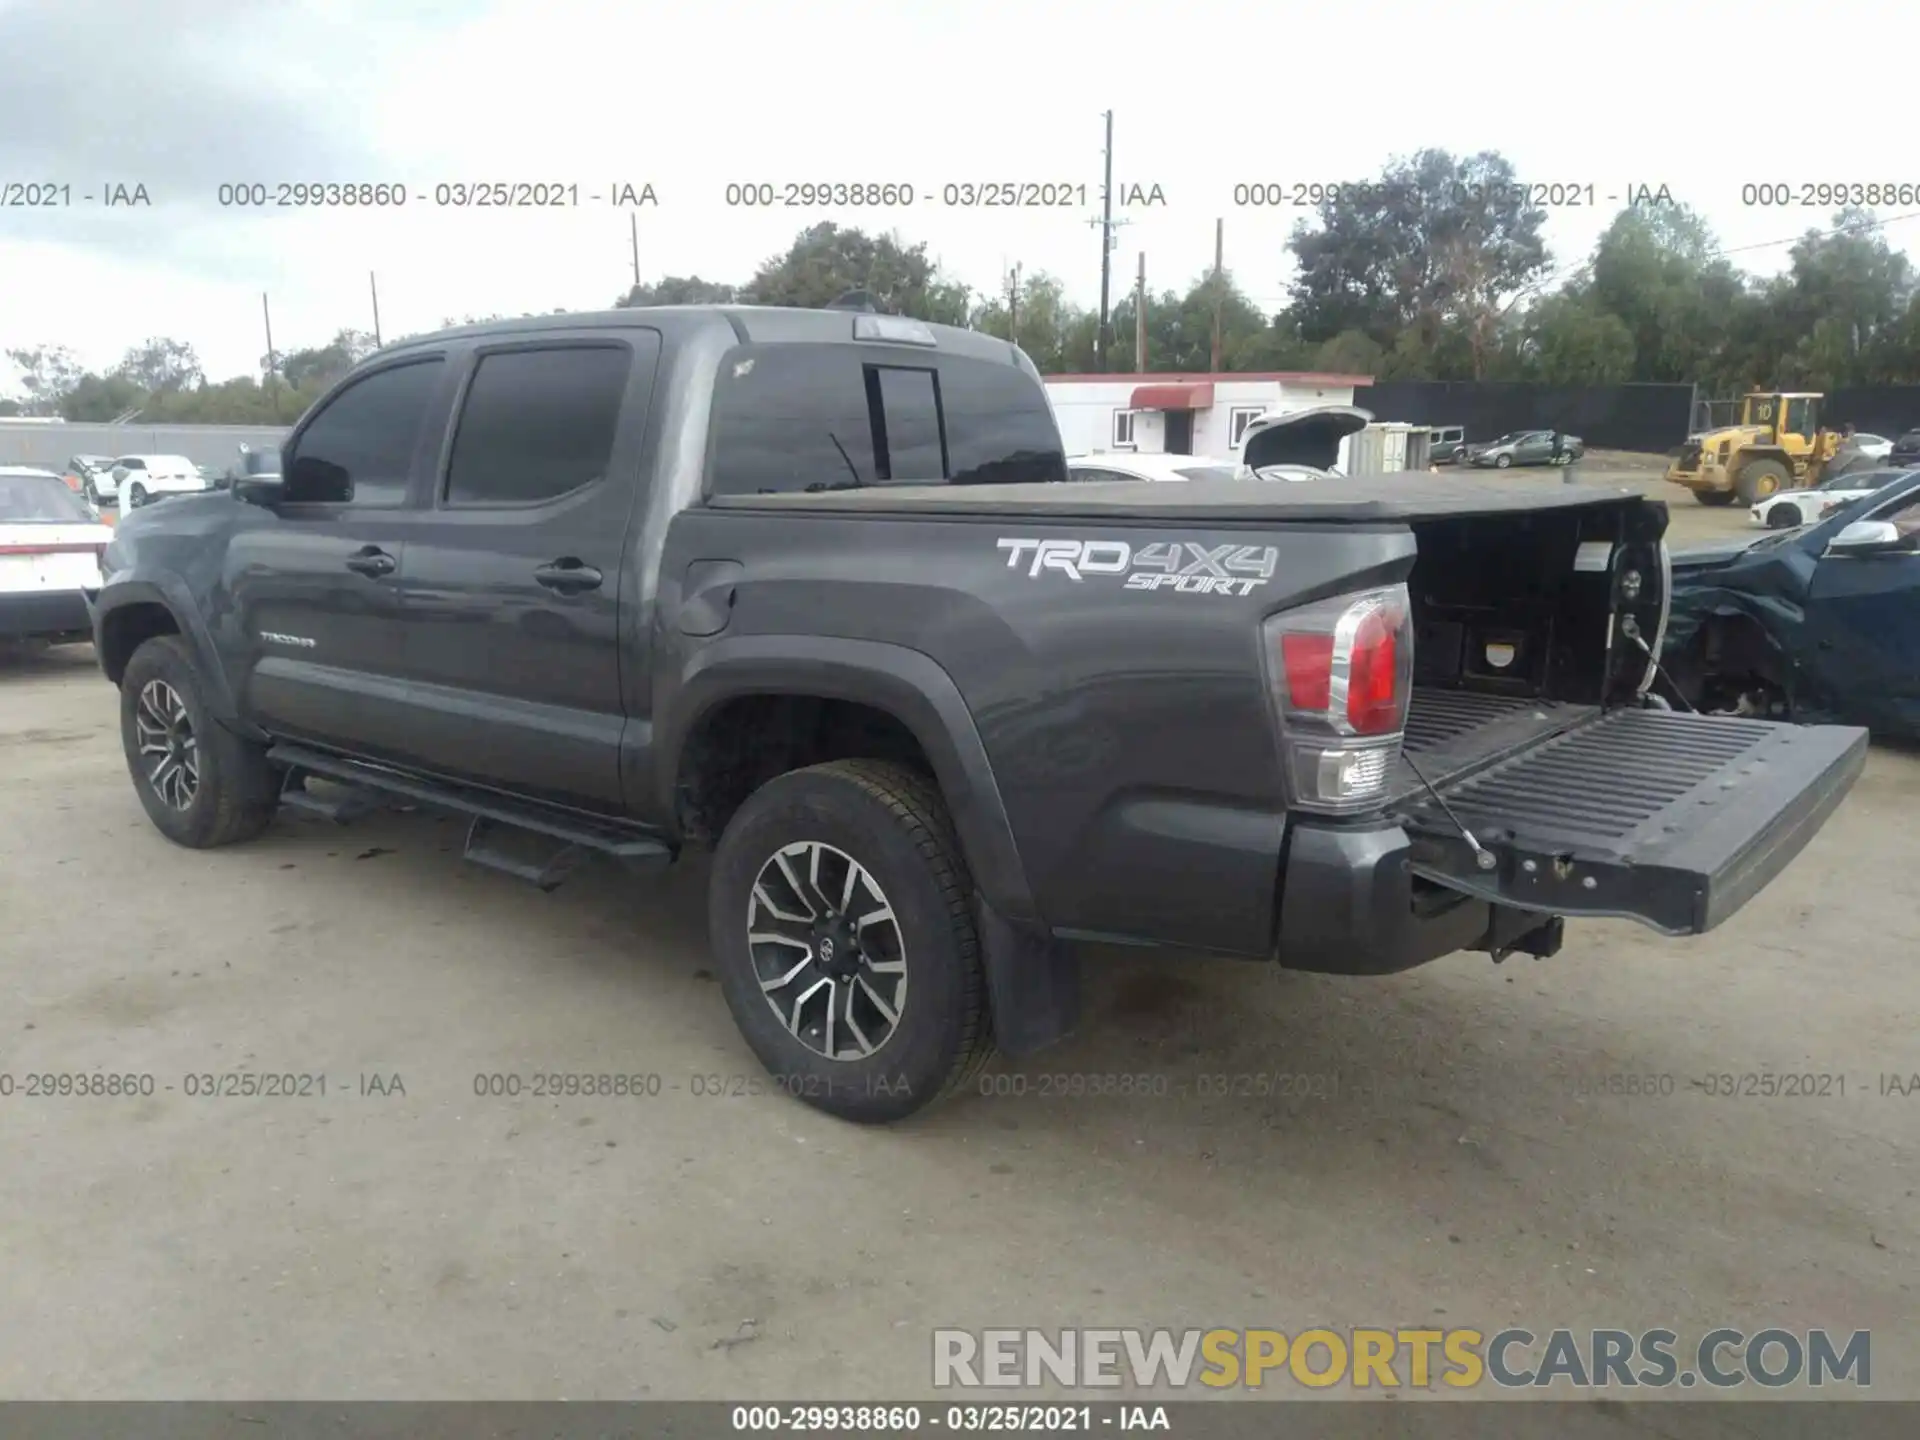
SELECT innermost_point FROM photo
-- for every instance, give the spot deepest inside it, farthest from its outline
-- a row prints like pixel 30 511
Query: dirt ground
pixel 405 1237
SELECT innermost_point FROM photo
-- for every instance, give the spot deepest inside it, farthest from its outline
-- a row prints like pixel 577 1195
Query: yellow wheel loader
pixel 1778 445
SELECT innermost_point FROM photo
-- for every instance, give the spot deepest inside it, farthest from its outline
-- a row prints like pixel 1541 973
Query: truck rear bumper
pixel 52 614
pixel 1350 905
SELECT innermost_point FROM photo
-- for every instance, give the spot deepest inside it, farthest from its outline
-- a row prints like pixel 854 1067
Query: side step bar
pixel 575 837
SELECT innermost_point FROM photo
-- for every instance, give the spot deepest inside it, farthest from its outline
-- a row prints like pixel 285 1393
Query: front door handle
pixel 372 562
pixel 569 576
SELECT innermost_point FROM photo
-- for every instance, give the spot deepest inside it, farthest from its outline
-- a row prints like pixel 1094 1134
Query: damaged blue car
pixel 1819 624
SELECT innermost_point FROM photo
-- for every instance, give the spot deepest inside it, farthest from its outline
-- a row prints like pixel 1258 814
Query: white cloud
pixel 1206 94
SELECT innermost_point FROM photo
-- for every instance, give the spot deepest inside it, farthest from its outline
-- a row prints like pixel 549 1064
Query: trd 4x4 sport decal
pixel 1180 565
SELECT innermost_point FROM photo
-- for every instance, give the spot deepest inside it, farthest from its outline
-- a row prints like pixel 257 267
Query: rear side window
pixel 359 449
pixel 820 417
pixel 537 424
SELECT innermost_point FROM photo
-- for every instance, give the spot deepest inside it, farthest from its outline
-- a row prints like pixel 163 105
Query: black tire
pixel 235 791
pixel 892 821
pixel 1751 483
pixel 1502 462
pixel 1783 517
pixel 1714 498
pixel 136 496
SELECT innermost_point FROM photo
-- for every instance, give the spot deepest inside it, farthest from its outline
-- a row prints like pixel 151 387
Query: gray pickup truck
pixel 800 586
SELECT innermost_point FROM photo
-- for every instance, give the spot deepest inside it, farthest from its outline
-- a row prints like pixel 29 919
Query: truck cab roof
pixel 751 324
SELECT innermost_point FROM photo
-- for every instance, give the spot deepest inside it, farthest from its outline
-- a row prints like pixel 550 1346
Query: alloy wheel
pixel 827 950
pixel 168 747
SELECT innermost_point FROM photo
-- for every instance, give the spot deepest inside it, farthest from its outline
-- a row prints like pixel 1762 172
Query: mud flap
pixel 1675 820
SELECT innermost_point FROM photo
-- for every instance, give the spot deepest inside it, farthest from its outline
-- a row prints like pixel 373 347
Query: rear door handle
pixel 372 561
pixel 569 576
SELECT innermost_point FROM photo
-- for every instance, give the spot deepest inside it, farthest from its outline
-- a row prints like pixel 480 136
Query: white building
pixel 1182 414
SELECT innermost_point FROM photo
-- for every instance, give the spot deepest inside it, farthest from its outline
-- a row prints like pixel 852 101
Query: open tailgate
pixel 1672 819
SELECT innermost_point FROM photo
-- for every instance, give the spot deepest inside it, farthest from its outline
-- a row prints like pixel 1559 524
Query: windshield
pixel 1205 472
pixel 40 499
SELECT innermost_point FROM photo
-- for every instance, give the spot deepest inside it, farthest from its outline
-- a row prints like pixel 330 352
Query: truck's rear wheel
pixel 1760 478
pixel 199 783
pixel 1715 498
pixel 841 916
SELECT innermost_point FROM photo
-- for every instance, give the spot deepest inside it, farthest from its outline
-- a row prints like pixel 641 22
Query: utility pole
pixel 273 361
pixel 1219 285
pixel 1103 340
pixel 633 219
pixel 1013 303
pixel 373 286
pixel 1140 318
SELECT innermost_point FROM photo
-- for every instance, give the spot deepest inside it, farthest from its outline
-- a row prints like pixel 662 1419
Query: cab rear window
pixel 820 417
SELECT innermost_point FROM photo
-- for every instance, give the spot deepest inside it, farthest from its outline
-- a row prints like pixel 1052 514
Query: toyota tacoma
pixel 803 587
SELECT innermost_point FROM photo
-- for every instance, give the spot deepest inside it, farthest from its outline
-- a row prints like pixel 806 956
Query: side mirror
pixel 1871 537
pixel 263 490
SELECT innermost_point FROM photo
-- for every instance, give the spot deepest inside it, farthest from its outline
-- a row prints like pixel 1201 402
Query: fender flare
pixel 171 595
pixel 908 685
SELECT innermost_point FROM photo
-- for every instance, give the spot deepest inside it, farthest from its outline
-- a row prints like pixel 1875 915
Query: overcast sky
pixel 184 97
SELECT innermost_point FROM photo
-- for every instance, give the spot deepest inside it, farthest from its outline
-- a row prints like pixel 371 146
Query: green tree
pixel 825 262
pixel 48 373
pixel 1048 322
pixel 161 365
pixel 1435 239
pixel 1571 340
pixel 1657 269
pixel 99 398
pixel 1180 329
pixel 679 290
pixel 324 364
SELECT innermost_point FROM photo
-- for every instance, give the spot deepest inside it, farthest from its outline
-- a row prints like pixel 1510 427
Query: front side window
pixel 537 424
pixel 359 450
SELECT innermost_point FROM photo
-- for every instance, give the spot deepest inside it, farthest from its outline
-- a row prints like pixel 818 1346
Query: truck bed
pixel 1451 733
pixel 1380 500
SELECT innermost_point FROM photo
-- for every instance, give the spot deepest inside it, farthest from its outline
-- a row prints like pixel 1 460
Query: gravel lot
pixel 434 1243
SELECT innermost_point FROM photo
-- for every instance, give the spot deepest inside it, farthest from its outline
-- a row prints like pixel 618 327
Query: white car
pixel 1804 507
pixel 1124 465
pixel 138 478
pixel 1874 447
pixel 50 545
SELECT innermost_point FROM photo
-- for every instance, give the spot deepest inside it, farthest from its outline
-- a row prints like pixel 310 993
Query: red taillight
pixel 1308 660
pixel 1341 672
pixel 1373 685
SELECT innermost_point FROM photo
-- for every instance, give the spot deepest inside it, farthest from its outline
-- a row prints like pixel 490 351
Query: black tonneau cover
pixel 1380 500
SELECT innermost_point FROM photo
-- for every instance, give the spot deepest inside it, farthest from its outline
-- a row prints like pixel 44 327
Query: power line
pixel 1855 228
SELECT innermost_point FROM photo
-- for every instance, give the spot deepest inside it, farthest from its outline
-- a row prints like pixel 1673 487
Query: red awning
pixel 1173 397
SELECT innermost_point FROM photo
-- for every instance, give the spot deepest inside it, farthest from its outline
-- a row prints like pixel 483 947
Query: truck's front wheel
pixel 199 783
pixel 840 912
